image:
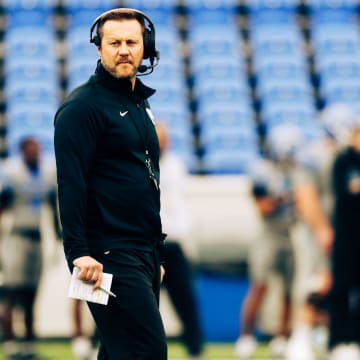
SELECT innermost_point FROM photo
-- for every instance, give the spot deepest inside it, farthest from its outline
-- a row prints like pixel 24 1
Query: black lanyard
pixel 145 140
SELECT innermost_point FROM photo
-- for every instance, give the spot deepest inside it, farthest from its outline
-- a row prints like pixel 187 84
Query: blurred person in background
pixel 280 189
pixel 30 183
pixel 344 314
pixel 310 333
pixel 176 223
pixel 83 347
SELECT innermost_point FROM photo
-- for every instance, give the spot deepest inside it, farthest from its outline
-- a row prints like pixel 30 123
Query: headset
pixel 150 51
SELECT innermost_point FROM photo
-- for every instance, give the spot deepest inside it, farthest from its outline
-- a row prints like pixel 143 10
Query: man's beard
pixel 115 73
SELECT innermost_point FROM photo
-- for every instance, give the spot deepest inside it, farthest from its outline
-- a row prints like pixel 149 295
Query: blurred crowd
pixel 311 188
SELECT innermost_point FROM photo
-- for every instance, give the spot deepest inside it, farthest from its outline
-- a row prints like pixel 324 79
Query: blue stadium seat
pixel 177 120
pixel 165 73
pixel 334 5
pixel 161 12
pixel 235 114
pixel 323 62
pixel 31 72
pixel 285 89
pixel 168 43
pixel 21 13
pixel 35 17
pixel 272 14
pixel 174 96
pixel 150 4
pixel 98 5
pixel 343 88
pixel 336 43
pixel 348 96
pixel 30 42
pixel 336 38
pixel 227 115
pixel 31 94
pixel 82 17
pixel 31 116
pixel 228 161
pixel 301 105
pixel 209 41
pixel 339 72
pixel 256 5
pixel 172 116
pixel 228 137
pixel 218 69
pixel 212 17
pixel 12 89
pixel 282 74
pixel 210 4
pixel 181 139
pixel 213 70
pixel 80 73
pixel 221 94
pixel 288 94
pixel 213 133
pixel 78 44
pixel 295 113
pixel 27 4
pixel 211 12
pixel 325 11
pixel 277 38
pixel 81 54
pixel 337 46
pixel 278 47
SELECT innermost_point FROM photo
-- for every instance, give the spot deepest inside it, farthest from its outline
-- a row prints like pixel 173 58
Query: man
pixel 107 156
pixel 29 183
pixel 311 325
pixel 282 192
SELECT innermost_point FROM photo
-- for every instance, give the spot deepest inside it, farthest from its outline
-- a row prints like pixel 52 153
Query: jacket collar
pixel 121 86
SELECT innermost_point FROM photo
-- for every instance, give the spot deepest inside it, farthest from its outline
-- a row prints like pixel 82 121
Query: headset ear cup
pixel 96 40
pixel 149 44
pixel 146 43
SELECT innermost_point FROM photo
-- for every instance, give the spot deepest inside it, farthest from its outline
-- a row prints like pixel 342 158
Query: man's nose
pixel 123 48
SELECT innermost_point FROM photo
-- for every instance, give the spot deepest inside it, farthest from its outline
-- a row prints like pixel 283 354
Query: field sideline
pixel 60 350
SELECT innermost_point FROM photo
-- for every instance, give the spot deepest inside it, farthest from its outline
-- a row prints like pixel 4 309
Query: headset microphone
pixel 144 68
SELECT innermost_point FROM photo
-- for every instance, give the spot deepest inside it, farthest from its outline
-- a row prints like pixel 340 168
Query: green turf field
pixel 60 350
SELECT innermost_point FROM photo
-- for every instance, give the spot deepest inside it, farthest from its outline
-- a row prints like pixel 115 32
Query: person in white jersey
pixel 29 183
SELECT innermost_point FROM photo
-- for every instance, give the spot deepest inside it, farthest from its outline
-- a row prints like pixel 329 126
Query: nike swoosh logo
pixel 122 114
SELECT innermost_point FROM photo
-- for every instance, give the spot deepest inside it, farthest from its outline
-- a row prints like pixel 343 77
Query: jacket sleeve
pixel 77 130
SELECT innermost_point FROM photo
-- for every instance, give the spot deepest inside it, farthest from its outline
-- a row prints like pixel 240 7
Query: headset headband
pixel 149 33
pixel 123 10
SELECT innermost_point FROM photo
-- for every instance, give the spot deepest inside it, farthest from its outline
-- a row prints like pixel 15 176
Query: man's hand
pixel 90 270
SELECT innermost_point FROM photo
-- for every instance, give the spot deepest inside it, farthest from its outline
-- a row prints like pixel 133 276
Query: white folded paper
pixel 79 289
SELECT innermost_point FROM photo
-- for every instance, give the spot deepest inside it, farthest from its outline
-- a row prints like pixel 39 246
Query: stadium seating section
pixel 230 70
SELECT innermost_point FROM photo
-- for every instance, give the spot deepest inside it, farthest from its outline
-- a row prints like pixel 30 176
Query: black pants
pixel 130 326
pixel 178 282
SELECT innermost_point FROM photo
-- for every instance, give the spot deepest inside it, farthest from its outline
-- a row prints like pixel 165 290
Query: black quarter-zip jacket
pixel 106 197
